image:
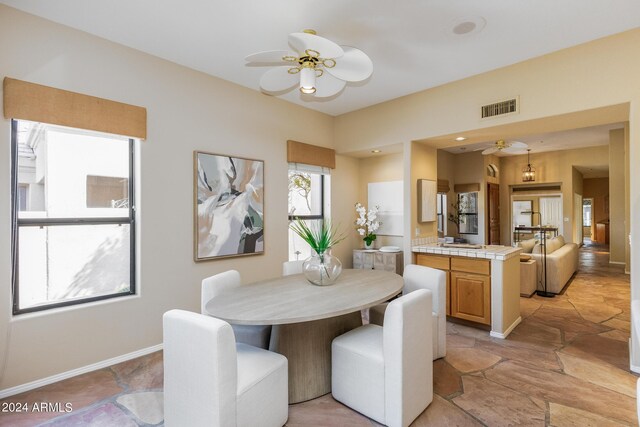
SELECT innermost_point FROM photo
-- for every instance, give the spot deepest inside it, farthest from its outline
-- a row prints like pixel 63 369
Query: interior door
pixel 493 213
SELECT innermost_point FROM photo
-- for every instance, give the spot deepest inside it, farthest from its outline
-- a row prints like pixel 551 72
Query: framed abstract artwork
pixel 228 206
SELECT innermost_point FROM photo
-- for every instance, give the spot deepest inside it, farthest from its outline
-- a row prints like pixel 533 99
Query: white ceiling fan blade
pixel 327 85
pixel 278 79
pixel 353 66
pixel 513 150
pixel 517 144
pixel 268 56
pixel 326 48
pixel 489 150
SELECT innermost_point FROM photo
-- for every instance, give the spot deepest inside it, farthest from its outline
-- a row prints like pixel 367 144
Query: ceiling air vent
pixel 500 108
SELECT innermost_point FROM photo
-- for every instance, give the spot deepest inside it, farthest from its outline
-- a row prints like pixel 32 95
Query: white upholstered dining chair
pixel 420 277
pixel 292 267
pixel 386 372
pixel 209 380
pixel 256 335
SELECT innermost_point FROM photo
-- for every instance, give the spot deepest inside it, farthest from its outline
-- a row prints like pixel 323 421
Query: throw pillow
pixel 527 245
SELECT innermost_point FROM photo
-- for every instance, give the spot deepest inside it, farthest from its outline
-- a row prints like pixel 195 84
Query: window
pixel 306 202
pixel 73 237
pixel 468 213
pixel 586 213
pixel 441 210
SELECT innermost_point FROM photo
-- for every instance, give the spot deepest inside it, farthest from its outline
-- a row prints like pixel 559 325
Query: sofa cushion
pixel 527 245
pixel 553 245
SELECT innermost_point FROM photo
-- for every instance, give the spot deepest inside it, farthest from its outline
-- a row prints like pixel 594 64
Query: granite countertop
pixel 496 252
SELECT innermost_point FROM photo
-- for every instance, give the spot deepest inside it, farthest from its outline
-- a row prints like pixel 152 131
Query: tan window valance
pixel 37 103
pixel 466 188
pixel 443 186
pixel 298 152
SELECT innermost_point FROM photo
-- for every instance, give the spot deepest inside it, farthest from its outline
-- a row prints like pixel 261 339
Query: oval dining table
pixel 306 318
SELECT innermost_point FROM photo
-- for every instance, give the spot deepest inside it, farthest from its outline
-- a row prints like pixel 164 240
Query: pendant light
pixel 528 173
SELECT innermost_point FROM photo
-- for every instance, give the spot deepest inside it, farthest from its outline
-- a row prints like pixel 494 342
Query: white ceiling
pixel 411 42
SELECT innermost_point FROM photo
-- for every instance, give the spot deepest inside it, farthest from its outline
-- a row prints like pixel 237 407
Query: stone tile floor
pixel 566 364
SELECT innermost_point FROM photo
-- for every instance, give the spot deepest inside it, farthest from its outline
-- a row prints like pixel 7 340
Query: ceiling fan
pixel 318 66
pixel 506 147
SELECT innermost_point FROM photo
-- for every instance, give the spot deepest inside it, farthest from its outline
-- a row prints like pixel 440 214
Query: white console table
pixel 371 259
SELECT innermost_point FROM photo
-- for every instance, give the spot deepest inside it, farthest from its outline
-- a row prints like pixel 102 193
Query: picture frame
pixel 427 190
pixel 228 206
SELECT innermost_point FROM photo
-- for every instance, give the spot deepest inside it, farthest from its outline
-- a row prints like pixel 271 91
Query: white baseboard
pixel 508 331
pixel 74 372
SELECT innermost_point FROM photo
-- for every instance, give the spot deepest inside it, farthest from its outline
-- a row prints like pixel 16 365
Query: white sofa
pixel 562 262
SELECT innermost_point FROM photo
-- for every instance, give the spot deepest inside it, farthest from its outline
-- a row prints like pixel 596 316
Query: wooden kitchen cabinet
pixel 471 297
pixel 468 285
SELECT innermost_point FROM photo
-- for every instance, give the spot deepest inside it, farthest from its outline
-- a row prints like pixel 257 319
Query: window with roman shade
pixel 73 201
pixel 309 183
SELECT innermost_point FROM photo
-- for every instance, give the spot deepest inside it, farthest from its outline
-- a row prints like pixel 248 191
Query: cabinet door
pixel 471 297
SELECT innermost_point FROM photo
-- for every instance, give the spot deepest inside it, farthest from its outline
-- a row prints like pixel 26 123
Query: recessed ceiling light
pixel 376 151
pixel 468 25
pixel 460 138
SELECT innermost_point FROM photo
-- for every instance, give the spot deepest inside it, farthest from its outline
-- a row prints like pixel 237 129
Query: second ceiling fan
pixel 504 146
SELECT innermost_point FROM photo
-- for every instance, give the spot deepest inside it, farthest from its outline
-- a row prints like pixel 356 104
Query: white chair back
pixel 407 347
pixel 214 285
pixel 421 277
pixel 200 374
pixel 292 267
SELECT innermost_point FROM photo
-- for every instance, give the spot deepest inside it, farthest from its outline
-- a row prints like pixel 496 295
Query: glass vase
pixel 322 269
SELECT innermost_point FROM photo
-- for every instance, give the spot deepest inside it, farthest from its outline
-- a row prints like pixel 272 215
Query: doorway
pixel 587 221
pixel 493 214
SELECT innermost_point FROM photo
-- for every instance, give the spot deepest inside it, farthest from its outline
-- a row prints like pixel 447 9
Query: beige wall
pixel 345 192
pixel 575 79
pixel 379 169
pixel 424 162
pixel 598 190
pixel 617 235
pixel 187 111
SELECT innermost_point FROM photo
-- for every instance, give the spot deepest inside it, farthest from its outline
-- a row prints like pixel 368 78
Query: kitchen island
pixel 483 283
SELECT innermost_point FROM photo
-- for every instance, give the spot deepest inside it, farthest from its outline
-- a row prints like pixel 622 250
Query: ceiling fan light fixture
pixel 310 56
pixel 307 79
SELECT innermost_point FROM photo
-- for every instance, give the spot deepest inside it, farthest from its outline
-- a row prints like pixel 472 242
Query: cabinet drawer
pixel 433 261
pixel 470 265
